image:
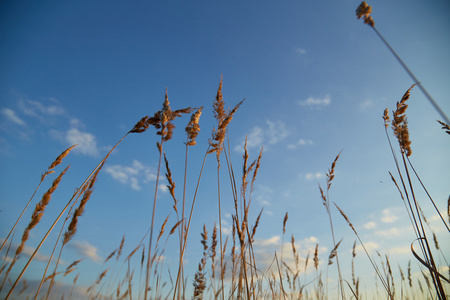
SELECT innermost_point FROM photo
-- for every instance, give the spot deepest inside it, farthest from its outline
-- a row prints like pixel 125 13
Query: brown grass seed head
pixel 400 124
pixel 364 11
pixel 193 128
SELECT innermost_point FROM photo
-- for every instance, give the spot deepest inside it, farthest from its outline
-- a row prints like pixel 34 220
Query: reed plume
pixel 193 128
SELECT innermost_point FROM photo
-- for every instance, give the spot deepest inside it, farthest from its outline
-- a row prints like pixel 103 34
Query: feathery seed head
pixel 364 11
pixel 192 129
pixel 400 124
pixel 386 117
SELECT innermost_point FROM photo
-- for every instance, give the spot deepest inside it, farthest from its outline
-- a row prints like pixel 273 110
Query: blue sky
pixel 316 81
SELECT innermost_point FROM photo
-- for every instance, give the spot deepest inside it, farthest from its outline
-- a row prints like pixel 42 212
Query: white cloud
pixel 370 225
pixel 300 51
pixel 366 104
pixel 86 249
pixel 76 123
pixel 39 110
pixel 27 250
pixel 399 250
pixel 255 138
pixel 274 133
pixel 275 240
pixel 300 143
pixel 263 194
pixel 87 143
pixel 226 227
pixel 394 231
pixel 388 216
pixel 133 175
pixel 316 175
pixel 315 102
pixel 12 116
pixel 370 247
pixel 163 188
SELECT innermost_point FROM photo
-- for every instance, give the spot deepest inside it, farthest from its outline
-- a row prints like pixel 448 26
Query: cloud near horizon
pixel 266 248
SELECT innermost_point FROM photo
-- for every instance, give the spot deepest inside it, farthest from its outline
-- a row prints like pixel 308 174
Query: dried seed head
pixel 192 129
pixel 386 117
pixel 57 161
pixel 400 124
pixel 223 119
pixel 284 223
pixel 333 253
pixel 141 126
pixel 445 126
pixel 364 11
pixel 162 119
pixel 316 257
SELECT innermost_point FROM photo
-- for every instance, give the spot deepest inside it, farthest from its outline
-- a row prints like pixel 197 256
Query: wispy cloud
pixel 272 133
pixel 300 51
pixel 27 251
pixel 275 240
pixel 367 104
pixel 370 225
pixel 226 227
pixel 399 250
pixel 310 176
pixel 394 232
pixel 11 116
pixel 87 142
pixel 388 216
pixel 370 247
pixel 40 110
pixel 315 102
pixel 300 143
pixel 86 250
pixel 263 194
pixel 133 175
pixel 277 132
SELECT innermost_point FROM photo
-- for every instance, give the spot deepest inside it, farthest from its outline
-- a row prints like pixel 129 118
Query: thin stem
pixel 190 218
pixel 149 259
pixel 220 229
pixel 426 191
pixel 427 95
